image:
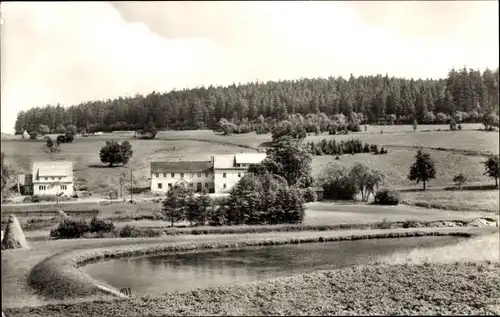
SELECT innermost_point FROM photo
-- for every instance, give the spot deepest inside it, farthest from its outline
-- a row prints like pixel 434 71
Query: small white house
pixel 53 178
pixel 230 168
pixel 196 175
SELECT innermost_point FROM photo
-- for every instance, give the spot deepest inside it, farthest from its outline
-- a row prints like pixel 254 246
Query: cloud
pixel 71 52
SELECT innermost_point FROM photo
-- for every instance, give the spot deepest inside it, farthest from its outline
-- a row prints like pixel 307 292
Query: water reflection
pixel 184 271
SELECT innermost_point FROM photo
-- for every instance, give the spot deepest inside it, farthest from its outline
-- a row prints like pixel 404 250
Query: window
pixel 52 178
pixel 41 187
pixel 59 178
pixel 206 174
pixel 64 187
pixel 159 186
pixel 157 175
pixel 199 175
pixel 224 175
pixel 191 184
pixel 46 178
pixel 182 175
pixel 172 175
pixel 164 175
pixel 169 185
pixel 224 186
pixel 239 174
pixel 206 185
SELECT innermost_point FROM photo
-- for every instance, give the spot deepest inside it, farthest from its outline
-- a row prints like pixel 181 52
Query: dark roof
pixel 181 166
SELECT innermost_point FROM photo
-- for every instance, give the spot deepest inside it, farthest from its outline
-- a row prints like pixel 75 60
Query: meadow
pixel 454 152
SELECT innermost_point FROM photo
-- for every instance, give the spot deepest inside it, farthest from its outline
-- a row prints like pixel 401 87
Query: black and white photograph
pixel 249 158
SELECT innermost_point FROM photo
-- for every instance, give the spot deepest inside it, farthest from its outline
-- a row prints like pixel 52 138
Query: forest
pixel 370 99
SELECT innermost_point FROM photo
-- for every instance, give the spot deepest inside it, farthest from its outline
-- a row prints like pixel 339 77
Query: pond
pixel 158 274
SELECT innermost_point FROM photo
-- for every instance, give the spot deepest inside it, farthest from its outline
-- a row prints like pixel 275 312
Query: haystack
pixel 14 236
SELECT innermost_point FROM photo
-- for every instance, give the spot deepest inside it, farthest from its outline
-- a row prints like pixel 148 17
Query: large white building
pixel 230 168
pixel 53 178
pixel 217 176
pixel 196 175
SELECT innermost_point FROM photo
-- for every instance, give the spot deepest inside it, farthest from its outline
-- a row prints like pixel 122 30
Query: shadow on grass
pixel 450 188
pixel 473 187
pixel 102 166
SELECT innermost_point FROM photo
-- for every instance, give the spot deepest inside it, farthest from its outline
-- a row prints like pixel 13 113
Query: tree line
pixel 374 99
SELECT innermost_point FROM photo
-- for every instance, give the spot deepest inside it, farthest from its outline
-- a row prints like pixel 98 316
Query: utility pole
pixel 131 186
pixel 122 179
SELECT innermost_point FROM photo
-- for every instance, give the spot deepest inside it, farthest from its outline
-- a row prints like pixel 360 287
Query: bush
pixel 353 126
pixel 70 229
pixel 387 197
pixel 366 148
pixel 339 185
pixel 217 216
pixel 410 224
pixel 309 195
pixel 100 225
pixel 453 125
pixel 129 232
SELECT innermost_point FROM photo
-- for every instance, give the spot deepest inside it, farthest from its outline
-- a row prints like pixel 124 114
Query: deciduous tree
pixel 115 153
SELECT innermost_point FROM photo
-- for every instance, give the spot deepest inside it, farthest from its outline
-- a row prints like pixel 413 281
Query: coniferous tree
pixel 423 169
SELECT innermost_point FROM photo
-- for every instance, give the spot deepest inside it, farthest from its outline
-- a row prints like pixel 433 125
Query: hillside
pixel 372 97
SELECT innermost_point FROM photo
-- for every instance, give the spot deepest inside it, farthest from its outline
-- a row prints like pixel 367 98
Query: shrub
pixel 100 225
pixel 217 216
pixel 384 224
pixel 453 125
pixel 70 229
pixel 459 127
pixel 459 180
pixel 309 195
pixel 129 232
pixel 366 148
pixel 353 126
pixel 33 135
pixel 387 197
pixel 338 185
pixel 410 224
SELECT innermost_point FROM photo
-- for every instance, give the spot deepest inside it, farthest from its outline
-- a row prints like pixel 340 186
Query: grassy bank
pixel 482 248
pixel 431 289
pixel 155 231
pixel 58 277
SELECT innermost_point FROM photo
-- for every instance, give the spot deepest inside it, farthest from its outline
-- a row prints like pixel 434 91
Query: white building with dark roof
pixel 53 178
pixel 230 168
pixel 218 175
pixel 196 175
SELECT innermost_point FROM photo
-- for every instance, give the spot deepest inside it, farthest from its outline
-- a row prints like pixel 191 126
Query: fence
pixel 48 213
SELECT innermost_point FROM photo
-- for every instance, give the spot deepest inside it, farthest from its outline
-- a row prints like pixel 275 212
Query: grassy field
pixel 396 164
pixel 487 200
pixel 202 144
pixel 85 155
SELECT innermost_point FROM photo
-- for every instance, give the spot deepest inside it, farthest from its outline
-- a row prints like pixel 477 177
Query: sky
pixel 71 52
